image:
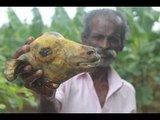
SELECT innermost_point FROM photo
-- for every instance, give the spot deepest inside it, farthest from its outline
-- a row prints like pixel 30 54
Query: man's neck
pixel 100 74
pixel 100 82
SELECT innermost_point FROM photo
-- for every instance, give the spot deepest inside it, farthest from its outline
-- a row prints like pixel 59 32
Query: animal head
pixel 57 56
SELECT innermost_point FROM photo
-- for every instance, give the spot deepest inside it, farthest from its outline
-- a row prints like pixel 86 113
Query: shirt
pixel 78 95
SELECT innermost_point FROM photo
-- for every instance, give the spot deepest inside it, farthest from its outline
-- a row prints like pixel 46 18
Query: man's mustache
pixel 107 52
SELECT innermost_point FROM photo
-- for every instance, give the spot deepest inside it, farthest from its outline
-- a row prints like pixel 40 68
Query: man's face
pixel 105 36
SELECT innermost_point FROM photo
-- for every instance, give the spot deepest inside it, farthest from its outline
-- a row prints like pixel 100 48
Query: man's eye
pixel 113 40
pixel 98 37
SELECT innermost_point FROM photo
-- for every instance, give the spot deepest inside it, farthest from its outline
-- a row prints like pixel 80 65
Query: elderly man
pixel 100 91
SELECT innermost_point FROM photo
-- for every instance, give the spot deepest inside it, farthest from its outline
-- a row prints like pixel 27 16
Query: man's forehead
pixel 112 18
pixel 118 20
pixel 106 25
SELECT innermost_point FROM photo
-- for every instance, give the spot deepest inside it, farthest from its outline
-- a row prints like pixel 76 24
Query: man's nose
pixel 105 44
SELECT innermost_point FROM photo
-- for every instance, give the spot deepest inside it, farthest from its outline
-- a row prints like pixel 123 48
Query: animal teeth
pixel 89 65
pixel 54 85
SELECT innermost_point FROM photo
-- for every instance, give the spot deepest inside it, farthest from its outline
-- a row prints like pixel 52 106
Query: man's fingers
pixel 29 40
pixel 44 90
pixel 29 80
pixel 21 51
pixel 24 48
pixel 27 69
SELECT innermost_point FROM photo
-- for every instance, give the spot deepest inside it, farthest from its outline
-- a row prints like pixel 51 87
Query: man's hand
pixel 29 75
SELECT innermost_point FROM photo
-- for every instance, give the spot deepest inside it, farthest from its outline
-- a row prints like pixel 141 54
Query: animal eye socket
pixel 45 52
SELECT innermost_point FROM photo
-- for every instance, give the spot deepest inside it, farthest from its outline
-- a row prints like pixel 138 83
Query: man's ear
pixel 84 39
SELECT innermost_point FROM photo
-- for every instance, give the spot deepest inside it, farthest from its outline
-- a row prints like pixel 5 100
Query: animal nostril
pixel 90 52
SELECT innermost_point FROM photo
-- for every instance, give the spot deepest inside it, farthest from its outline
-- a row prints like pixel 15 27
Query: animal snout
pixel 92 54
pixel 91 51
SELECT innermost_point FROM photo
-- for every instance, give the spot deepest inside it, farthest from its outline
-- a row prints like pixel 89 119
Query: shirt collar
pixel 114 81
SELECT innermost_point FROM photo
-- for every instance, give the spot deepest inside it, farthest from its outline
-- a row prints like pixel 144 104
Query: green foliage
pixel 77 24
pixel 13 96
pixel 36 27
pixel 137 63
pixel 140 59
pixel 69 28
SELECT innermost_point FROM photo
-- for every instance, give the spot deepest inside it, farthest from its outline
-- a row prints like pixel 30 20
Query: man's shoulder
pixel 128 85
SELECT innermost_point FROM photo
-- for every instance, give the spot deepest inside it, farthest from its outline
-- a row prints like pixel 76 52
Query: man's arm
pixel 49 104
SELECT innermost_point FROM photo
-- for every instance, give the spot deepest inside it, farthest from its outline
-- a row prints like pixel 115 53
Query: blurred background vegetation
pixel 138 63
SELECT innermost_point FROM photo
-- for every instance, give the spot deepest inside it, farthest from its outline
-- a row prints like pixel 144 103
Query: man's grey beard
pixel 111 56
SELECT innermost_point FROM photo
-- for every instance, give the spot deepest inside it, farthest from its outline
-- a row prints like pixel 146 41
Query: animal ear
pixel 45 52
pixel 11 68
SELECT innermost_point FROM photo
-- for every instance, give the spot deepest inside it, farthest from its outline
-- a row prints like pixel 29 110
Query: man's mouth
pixel 108 54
